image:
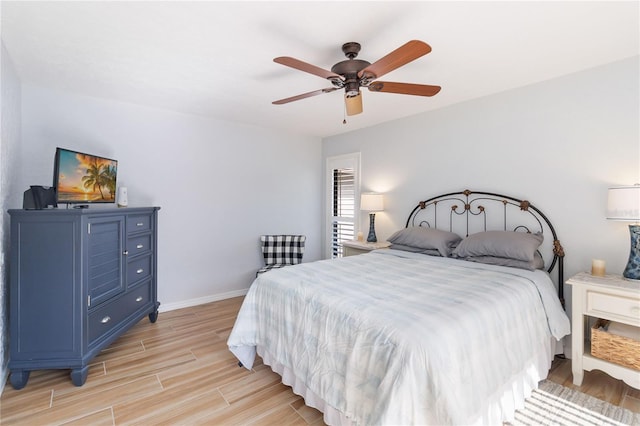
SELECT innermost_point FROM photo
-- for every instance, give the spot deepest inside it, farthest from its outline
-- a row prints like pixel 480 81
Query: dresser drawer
pixel 139 245
pixel 107 317
pixel 611 306
pixel 138 269
pixel 138 223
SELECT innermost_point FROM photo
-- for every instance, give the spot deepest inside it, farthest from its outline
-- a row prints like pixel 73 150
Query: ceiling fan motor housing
pixel 349 70
pixel 350 67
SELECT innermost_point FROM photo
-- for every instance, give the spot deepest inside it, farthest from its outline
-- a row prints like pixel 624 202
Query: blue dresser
pixel 79 278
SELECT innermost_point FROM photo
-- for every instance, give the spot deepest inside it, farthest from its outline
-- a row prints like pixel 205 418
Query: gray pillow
pixel 507 244
pixel 430 252
pixel 537 263
pixel 426 238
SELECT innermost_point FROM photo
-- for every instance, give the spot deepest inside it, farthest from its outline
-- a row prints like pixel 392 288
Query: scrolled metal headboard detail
pixel 468 212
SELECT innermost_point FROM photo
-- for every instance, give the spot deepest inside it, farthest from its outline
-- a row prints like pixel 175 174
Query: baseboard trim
pixel 201 300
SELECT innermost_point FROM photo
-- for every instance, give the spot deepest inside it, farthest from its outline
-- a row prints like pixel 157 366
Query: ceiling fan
pixel 352 74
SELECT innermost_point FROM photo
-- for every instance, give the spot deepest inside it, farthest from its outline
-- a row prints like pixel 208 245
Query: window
pixel 343 189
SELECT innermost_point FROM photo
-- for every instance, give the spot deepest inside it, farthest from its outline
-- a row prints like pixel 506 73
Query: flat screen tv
pixel 80 178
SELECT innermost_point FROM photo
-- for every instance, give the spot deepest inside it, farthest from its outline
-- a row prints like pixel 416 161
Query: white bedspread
pixel 392 337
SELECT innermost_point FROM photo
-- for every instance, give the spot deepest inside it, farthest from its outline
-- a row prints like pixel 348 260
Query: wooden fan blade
pixel 404 88
pixel 399 57
pixel 304 95
pixel 303 66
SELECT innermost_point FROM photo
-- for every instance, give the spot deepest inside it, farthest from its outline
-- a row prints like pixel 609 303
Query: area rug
pixel 554 404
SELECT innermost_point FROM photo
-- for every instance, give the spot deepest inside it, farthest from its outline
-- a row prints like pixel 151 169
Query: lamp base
pixel 371 238
pixel 632 271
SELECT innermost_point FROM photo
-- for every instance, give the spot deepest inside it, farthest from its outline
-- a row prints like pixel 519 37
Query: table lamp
pixel 372 203
pixel 624 204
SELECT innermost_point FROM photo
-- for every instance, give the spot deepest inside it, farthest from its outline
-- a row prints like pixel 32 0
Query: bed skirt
pixel 514 395
pixel 331 415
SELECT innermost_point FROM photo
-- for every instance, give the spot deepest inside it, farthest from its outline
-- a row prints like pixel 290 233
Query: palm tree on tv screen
pixel 110 179
pixel 94 178
pixel 99 176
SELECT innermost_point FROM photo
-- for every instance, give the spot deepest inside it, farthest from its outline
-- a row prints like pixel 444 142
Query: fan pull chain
pixel 344 113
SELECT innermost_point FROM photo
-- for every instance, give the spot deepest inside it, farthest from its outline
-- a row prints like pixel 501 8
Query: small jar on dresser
pixel 79 278
pixel 610 298
pixel 352 248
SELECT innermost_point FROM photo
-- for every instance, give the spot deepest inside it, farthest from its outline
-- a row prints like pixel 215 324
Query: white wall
pixel 9 157
pixel 219 184
pixel 559 144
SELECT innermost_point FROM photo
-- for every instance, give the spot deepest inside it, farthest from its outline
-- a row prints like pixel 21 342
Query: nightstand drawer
pixel 353 251
pixel 352 248
pixel 613 306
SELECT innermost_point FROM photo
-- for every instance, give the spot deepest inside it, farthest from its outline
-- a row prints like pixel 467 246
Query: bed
pixel 455 324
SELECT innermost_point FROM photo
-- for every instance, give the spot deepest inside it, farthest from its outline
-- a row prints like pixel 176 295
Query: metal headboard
pixel 468 212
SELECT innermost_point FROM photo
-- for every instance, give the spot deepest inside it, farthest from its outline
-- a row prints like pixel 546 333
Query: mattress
pixel 392 337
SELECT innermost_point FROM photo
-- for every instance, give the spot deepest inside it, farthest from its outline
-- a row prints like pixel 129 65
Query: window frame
pixel 345 161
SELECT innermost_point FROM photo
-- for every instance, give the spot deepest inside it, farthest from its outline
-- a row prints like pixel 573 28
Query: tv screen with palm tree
pixel 84 178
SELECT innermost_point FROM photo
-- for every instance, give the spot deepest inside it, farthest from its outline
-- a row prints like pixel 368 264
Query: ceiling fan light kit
pixel 352 74
pixel 353 104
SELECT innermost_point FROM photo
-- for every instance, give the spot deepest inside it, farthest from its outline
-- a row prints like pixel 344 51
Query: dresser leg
pixel 19 378
pixel 153 316
pixel 79 375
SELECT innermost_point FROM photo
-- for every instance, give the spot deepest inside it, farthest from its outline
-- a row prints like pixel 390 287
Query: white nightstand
pixel 352 248
pixel 610 297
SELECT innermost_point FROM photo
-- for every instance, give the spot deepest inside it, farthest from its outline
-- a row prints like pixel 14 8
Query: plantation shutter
pixel 343 207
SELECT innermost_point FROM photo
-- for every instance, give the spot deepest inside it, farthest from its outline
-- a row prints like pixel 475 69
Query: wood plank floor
pixel 179 371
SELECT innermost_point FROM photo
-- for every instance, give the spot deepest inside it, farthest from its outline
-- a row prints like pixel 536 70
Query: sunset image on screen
pixel 87 178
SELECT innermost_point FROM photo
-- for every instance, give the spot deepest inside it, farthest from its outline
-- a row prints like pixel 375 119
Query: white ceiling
pixel 216 58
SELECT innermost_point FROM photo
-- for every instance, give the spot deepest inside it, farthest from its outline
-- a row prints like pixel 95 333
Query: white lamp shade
pixel 624 203
pixel 372 202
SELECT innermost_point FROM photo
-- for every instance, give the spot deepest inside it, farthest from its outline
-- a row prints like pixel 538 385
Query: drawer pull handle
pixel 106 319
pixel 139 299
pixel 139 246
pixel 139 271
pixel 126 252
pixel 140 224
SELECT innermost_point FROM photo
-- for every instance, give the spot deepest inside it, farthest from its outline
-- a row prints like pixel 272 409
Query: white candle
pixel 598 267
pixel 360 236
